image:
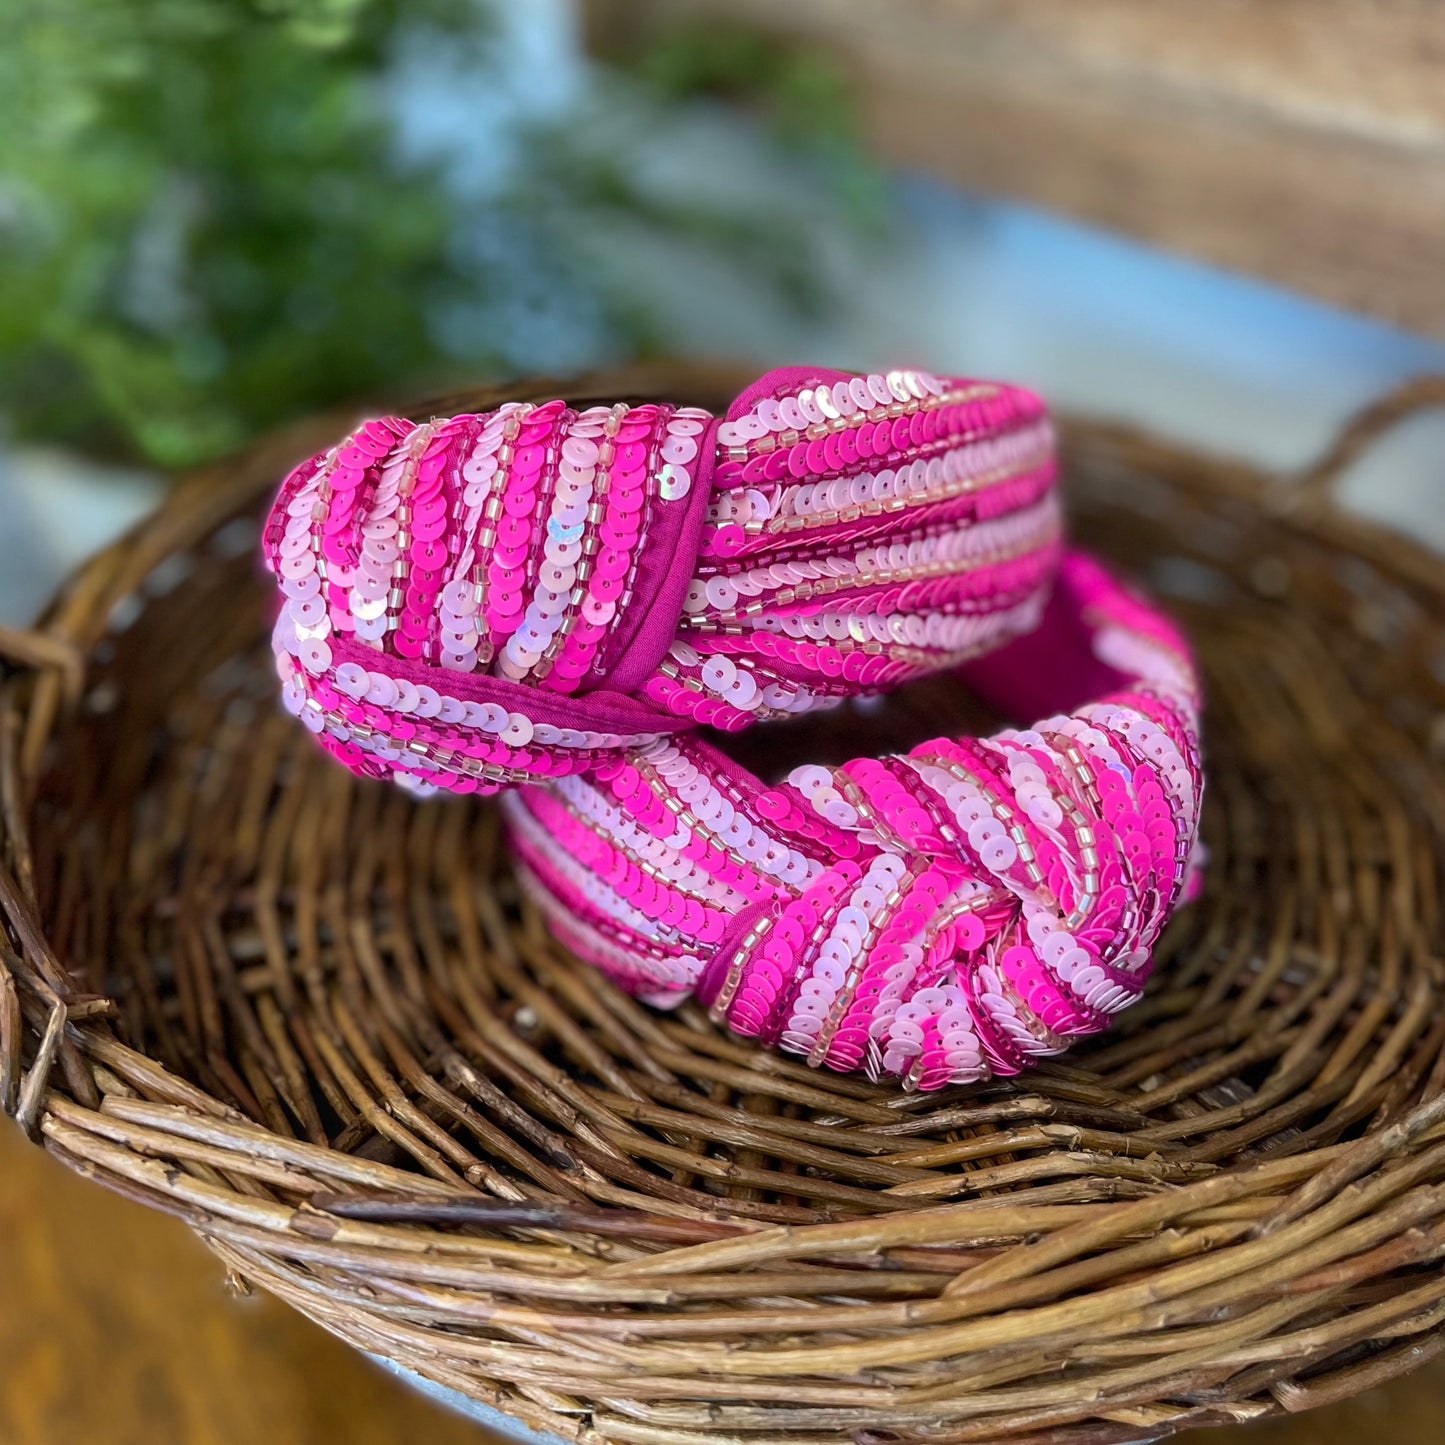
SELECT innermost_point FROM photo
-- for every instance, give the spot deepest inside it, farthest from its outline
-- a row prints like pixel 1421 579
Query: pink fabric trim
pixel 665 569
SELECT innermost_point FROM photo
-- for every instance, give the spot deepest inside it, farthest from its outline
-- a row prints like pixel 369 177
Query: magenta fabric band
pixel 539 596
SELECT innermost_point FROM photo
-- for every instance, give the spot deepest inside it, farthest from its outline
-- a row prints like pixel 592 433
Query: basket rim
pixel 124 1134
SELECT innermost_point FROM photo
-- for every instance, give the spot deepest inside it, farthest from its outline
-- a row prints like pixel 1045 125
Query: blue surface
pixel 486 1415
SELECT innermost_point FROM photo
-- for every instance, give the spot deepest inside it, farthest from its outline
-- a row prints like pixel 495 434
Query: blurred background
pixel 1221 222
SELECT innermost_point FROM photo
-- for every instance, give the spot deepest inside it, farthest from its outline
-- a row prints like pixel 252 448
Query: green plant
pixel 205 224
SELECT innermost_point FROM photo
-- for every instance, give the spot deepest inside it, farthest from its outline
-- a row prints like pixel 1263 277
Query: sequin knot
pixel 475 602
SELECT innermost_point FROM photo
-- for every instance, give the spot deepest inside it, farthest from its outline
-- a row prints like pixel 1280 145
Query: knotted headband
pixel 483 601
pixel 543 596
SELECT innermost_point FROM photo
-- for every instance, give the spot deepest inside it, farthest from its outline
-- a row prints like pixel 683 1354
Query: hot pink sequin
pixel 482 602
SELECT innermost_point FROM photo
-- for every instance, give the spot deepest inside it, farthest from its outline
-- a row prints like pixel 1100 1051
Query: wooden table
pixel 116 1328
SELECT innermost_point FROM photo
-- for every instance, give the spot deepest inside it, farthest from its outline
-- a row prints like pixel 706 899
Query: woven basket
pixel 313 1019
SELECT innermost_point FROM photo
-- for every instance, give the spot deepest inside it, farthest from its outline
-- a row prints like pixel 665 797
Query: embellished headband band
pixel 541 595
pixel 941 915
pixel 482 601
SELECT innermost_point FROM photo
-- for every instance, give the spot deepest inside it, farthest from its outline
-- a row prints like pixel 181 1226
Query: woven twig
pixel 314 1020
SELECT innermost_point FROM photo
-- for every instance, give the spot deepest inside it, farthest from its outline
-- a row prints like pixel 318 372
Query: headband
pixel 539 595
pixel 941 915
pixel 481 601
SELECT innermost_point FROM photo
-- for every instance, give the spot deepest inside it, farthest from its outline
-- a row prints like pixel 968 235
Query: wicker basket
pixel 312 1019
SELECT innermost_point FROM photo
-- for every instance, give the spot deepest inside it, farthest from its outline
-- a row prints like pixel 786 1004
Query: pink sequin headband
pixel 543 596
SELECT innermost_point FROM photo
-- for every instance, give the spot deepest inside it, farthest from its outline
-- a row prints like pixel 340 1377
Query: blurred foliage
pixel 205 225
pixel 802 95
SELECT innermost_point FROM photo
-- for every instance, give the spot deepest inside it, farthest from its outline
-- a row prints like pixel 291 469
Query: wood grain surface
pixel 1302 141
pixel 117 1328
